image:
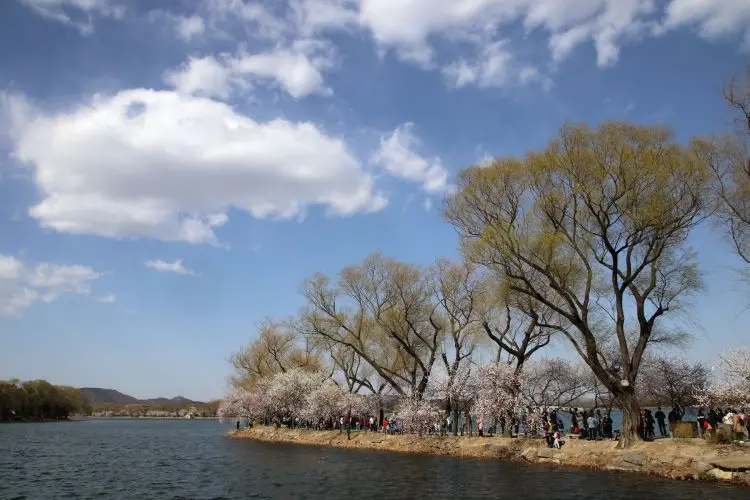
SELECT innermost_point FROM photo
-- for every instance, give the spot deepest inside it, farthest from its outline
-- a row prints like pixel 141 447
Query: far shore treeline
pixel 39 400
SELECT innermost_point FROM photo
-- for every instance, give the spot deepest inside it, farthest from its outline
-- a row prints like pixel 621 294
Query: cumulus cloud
pixel 21 285
pixel 398 156
pixel 168 166
pixel 202 76
pixel 79 14
pixel 175 267
pixel 714 18
pixel 189 27
pixel 297 69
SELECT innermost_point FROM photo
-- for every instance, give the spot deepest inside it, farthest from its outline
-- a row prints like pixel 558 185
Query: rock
pixel 549 461
pixel 545 453
pixel 623 466
pixel 634 458
pixel 732 463
pixel 720 474
pixel 529 454
pixel 702 467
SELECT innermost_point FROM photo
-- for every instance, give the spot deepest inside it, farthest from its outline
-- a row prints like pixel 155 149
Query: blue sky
pixel 172 170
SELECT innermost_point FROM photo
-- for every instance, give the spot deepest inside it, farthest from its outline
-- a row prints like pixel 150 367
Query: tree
pixel 382 310
pixel 39 400
pixel 459 292
pixel 730 164
pixel 276 349
pixel 730 387
pixel 555 382
pixel 499 395
pixel 593 230
pixel 673 381
pixel 324 404
pixel 417 414
pixel 518 327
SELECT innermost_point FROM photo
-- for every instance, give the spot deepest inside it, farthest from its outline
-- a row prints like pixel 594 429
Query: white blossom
pixel 417 414
pixel 731 384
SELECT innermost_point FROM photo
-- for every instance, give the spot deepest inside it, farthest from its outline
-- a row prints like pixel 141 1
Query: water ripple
pixel 192 460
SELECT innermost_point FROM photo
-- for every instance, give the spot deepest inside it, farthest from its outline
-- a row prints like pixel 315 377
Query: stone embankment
pixel 677 459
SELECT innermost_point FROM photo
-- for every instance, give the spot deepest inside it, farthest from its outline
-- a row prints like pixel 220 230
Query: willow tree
pixel 593 231
pixel 460 294
pixel 730 164
pixel 383 311
pixel 276 349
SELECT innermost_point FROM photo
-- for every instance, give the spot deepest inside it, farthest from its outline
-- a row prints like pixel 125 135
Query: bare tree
pixel 556 382
pixel 729 159
pixel 673 381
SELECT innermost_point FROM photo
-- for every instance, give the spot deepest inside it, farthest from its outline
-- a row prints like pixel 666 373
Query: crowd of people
pixel 584 424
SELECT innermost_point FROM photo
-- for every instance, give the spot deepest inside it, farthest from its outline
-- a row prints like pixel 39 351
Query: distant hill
pixel 97 395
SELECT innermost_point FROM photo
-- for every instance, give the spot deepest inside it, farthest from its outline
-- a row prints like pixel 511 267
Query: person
pixel 650 434
pixel 660 420
pixel 701 418
pixel 238 425
pixel 593 426
pixel 556 437
pixel 585 423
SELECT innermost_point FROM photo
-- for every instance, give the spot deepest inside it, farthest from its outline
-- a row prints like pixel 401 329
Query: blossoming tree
pixel 732 386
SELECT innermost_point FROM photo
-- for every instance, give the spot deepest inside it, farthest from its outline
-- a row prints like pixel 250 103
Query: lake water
pixel 176 459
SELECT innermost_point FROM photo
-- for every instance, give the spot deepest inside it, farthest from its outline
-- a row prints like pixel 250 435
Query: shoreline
pixel 85 418
pixel 691 459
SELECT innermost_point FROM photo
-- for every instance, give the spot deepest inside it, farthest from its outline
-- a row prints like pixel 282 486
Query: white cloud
pixel 299 18
pixel 296 69
pixel 109 298
pixel 407 26
pixel 77 13
pixel 714 18
pixel 189 27
pixel 175 267
pixel 21 286
pixel 158 164
pixel 495 66
pixel 202 76
pixel 397 156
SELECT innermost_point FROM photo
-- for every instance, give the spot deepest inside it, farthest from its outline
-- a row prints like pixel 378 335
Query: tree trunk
pixel 348 424
pixel 455 421
pixel 631 418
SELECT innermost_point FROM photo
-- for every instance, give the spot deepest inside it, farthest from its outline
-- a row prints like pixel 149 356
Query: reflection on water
pixel 193 460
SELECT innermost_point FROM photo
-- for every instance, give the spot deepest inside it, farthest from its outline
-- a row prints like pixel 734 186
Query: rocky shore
pixel 677 459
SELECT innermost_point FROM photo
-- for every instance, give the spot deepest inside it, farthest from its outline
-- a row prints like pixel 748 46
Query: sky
pixel 171 171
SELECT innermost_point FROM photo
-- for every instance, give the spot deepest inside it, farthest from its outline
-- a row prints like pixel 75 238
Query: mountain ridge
pixel 100 395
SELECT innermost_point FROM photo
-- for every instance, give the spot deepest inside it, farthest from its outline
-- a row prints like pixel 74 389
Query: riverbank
pixel 98 417
pixel 677 459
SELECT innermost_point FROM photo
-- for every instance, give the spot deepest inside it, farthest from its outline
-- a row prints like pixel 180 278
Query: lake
pixel 178 459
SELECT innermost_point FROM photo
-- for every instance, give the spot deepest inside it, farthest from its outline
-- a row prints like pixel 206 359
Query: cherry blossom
pixel 418 414
pixel 731 384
